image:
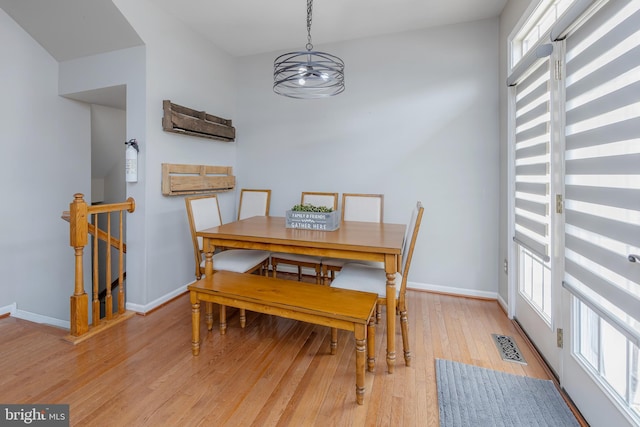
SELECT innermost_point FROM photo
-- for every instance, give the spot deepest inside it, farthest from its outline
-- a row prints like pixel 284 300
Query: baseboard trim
pixel 503 305
pixel 452 291
pixel 12 310
pixel 8 310
pixel 146 308
pixel 39 318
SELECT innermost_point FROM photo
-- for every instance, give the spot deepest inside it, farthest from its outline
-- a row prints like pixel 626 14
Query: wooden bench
pixel 321 305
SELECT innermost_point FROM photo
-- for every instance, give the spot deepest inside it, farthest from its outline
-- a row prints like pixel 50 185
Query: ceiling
pixel 256 26
pixel 70 29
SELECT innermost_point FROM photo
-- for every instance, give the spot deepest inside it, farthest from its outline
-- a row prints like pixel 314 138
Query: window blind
pixel 532 179
pixel 602 163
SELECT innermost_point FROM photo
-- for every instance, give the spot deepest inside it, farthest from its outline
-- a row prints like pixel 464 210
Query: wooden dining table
pixel 358 241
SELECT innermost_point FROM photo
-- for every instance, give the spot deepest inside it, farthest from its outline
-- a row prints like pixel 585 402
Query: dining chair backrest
pixel 329 200
pixel 254 203
pixel 203 212
pixel 409 244
pixel 362 207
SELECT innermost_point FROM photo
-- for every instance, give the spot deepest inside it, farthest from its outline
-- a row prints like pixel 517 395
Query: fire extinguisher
pixel 131 160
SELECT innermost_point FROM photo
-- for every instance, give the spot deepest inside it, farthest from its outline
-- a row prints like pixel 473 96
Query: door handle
pixel 633 258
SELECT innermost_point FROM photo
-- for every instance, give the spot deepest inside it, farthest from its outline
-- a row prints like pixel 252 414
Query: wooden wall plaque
pixel 179 119
pixel 196 179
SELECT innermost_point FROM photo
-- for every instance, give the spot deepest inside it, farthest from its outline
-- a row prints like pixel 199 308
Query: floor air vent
pixel 508 349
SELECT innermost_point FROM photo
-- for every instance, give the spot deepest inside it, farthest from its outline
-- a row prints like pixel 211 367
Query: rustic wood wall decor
pixel 196 179
pixel 186 121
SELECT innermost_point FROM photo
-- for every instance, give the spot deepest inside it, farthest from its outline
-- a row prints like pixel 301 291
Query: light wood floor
pixel 276 372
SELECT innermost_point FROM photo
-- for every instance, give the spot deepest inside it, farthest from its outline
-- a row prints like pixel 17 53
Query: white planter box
pixel 325 221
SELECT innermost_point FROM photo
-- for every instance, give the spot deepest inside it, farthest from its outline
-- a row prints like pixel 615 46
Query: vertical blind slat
pixel 536 131
pixel 535 169
pixel 536 208
pixel 629 303
pixel 540 149
pixel 620 131
pixel 600 256
pixel 624 232
pixel 535 113
pixel 615 100
pixel 624 164
pixel 538 248
pixel 622 198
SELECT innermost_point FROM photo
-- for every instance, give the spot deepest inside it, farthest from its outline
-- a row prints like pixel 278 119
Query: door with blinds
pixel 602 214
pixel 536 306
pixel 576 206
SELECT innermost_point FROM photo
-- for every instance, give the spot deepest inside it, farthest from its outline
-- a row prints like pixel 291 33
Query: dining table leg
pixel 390 265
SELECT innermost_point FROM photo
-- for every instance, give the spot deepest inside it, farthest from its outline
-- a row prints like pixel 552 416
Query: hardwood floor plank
pixel 275 372
pixel 278 400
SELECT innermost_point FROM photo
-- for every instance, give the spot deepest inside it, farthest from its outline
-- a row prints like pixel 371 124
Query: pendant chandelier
pixel 308 74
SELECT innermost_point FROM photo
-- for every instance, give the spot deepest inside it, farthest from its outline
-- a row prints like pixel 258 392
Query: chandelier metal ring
pixel 308 74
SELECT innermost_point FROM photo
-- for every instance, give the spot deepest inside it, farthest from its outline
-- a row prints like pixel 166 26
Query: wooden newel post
pixel 78 240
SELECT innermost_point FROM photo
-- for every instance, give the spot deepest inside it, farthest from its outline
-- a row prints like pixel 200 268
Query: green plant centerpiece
pixel 307 207
pixel 309 217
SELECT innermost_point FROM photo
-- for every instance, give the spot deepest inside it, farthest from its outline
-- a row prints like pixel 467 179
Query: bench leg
pixel 223 320
pixel 195 324
pixel 208 315
pixel 334 340
pixel 243 318
pixel 371 344
pixel 325 275
pixel 361 337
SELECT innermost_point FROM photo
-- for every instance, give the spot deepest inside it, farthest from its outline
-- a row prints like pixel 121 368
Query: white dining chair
pixel 329 200
pixel 366 278
pixel 362 207
pixel 355 207
pixel 204 212
pixel 253 203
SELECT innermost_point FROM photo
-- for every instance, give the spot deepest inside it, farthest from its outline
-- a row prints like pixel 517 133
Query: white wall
pixel 418 121
pixel 42 139
pixel 108 133
pixel 97 190
pixel 123 67
pixel 183 68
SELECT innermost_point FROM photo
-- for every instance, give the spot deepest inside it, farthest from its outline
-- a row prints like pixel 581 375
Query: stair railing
pixel 79 217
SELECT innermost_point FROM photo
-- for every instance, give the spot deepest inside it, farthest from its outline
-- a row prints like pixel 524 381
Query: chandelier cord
pixel 309 13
